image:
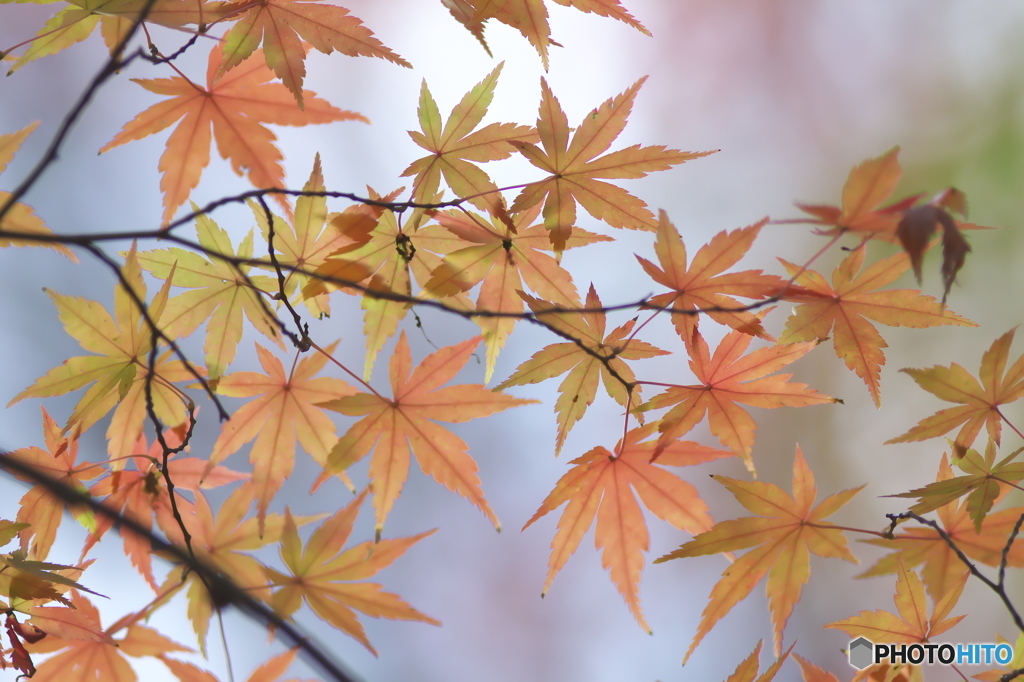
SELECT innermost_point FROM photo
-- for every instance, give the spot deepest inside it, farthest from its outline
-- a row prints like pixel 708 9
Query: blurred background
pixel 794 93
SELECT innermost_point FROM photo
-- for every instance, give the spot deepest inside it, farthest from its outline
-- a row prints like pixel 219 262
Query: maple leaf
pixel 384 255
pixel 872 182
pixel 846 308
pixel 607 354
pixel 1012 666
pixel 980 400
pixel 701 286
pixel 912 625
pixel 221 293
pixel 118 372
pixel 142 494
pixel 19 217
pixel 306 242
pixel 456 148
pixel 331 581
pixel 728 378
pixel 748 668
pixel 530 17
pixel 223 542
pixel 40 507
pixel 282 26
pixel 102 658
pixel 984 483
pixel 503 257
pixel 77 22
pixel 392 428
pixel 235 106
pixel 270 671
pixel 285 408
pixel 575 166
pixel 983 542
pixel 784 534
pixel 812 673
pixel 868 185
pixel 601 485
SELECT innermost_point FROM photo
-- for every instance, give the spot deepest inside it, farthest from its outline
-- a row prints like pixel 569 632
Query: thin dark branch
pixel 222 589
pixel 998 587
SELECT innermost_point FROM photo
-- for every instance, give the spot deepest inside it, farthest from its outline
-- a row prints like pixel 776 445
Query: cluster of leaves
pixel 458 242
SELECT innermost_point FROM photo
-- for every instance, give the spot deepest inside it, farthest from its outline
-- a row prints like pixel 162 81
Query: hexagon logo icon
pixel 861 653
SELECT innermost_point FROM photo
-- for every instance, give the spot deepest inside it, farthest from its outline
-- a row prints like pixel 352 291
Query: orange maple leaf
pixel 530 18
pixel 503 257
pixel 601 485
pixel 585 369
pixel 728 378
pixel 982 541
pixel 912 624
pixel 282 26
pixel 140 494
pixel 40 507
pixel 19 217
pixel 846 308
pixel 102 657
pixel 330 580
pixel 394 428
pixel 575 166
pixel 701 286
pixel 456 148
pixel 783 536
pixel 285 409
pixel 235 107
pixel 869 184
pixel 747 670
pixel 980 400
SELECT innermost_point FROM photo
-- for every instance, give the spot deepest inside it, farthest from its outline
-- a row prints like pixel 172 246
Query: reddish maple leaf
pixel 235 107
pixel 980 400
pixel 282 26
pixel 846 308
pixel 575 166
pixel 394 428
pixel 701 286
pixel 728 378
pixel 784 534
pixel 601 485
